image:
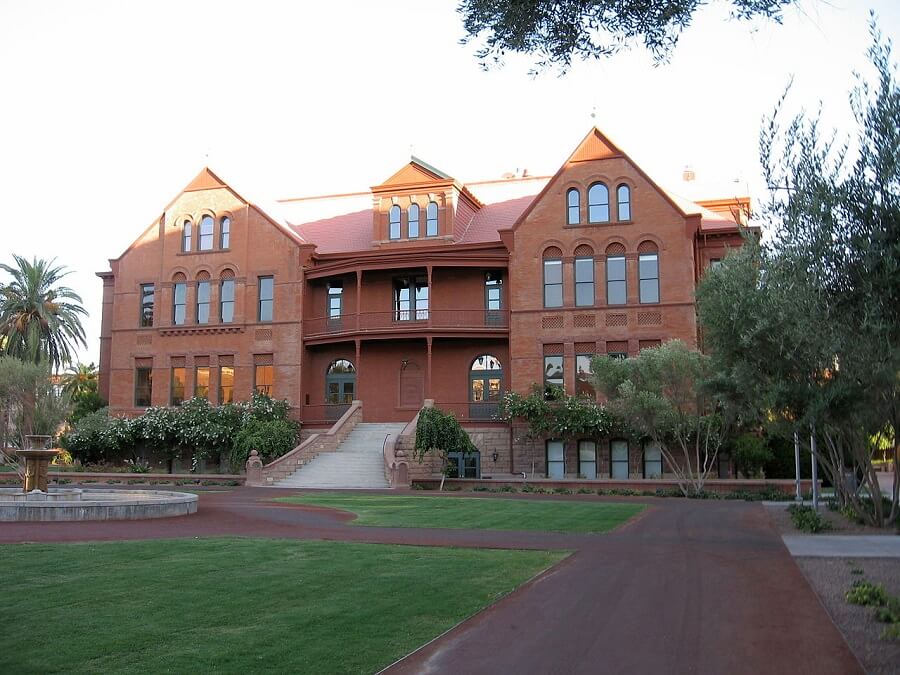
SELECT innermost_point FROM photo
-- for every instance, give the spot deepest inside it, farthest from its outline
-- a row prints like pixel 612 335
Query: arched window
pixel 226 296
pixel 394 222
pixel 598 203
pixel 206 233
pixel 412 221
pixel 431 219
pixel 225 232
pixel 553 277
pixel 485 386
pixel 187 229
pixel 573 206
pixel 648 272
pixel 179 299
pixel 584 276
pixel 203 288
pixel 340 385
pixel 616 286
pixel 623 201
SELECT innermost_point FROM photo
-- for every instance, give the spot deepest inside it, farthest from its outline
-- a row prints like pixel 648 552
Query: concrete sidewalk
pixel 843 546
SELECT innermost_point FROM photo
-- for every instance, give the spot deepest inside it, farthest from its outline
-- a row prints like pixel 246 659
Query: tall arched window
pixel 598 203
pixel 226 297
pixel 203 288
pixel 340 384
pixel 623 202
pixel 431 219
pixel 485 386
pixel 616 288
pixel 584 276
pixel 553 277
pixel 573 206
pixel 394 222
pixel 207 225
pixel 179 299
pixel 412 221
pixel 648 272
pixel 225 232
pixel 187 229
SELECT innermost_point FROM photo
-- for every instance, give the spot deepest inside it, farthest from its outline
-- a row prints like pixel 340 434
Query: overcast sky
pixel 110 108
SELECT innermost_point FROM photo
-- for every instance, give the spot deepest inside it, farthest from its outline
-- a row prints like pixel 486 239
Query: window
pixel 264 379
pixel 587 459
pixel 201 381
pixel 493 290
pixel 143 386
pixel 225 232
pixel 203 287
pixel 623 201
pixel 394 222
pixel 485 385
pixel 573 206
pixel 147 297
pixel 340 383
pixel 226 384
pixel 616 291
pixel 648 271
pixel 335 299
pixel 556 459
pixel 652 460
pixel 266 298
pixel 464 464
pixel 176 389
pixel 431 219
pixel 179 302
pixel 412 221
pixel 618 459
pixel 206 233
pixel 411 299
pixel 553 281
pixel 226 301
pixel 714 263
pixel 186 232
pixel 584 282
pixel 584 382
pixel 598 203
pixel 553 375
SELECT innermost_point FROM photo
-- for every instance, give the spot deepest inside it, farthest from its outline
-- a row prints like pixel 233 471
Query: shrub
pixel 807 519
pixel 890 613
pixel 750 454
pixel 270 438
pixel 867 594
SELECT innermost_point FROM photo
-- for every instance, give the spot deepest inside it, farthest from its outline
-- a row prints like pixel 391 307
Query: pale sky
pixel 110 108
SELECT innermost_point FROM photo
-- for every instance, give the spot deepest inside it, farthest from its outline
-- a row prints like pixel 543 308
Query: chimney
pixel 688 174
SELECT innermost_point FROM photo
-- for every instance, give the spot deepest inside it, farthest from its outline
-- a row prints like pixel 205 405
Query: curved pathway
pixel 688 587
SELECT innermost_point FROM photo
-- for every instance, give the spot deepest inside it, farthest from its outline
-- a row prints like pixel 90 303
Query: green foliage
pixel 867 594
pixel 890 612
pixel 440 432
pixel 87 402
pixel 807 519
pixel 560 417
pixel 270 438
pixel 750 454
pixel 100 438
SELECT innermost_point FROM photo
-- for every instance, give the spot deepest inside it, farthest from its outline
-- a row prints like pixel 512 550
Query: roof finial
pixel 594 115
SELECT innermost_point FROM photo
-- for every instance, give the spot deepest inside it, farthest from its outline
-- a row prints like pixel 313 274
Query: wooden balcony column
pixel 358 302
pixel 358 344
pixel 428 342
pixel 430 306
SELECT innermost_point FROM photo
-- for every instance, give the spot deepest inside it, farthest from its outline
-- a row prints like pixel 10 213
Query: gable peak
pixel 415 172
pixel 205 180
pixel 596 145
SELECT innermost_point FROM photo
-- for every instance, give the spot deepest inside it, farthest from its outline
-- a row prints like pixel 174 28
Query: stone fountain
pixel 36 501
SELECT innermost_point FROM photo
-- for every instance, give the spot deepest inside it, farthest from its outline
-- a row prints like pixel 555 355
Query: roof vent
pixel 688 174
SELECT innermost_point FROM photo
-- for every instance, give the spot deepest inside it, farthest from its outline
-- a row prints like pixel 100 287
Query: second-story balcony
pixel 407 321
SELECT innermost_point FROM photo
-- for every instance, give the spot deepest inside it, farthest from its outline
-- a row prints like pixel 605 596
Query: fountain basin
pixel 85 504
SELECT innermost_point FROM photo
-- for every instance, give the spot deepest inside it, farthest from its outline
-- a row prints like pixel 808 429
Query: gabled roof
pixel 414 173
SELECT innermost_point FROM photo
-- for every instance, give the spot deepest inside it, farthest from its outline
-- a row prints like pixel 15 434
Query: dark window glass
pixel 553 374
pixel 648 270
pixel 225 232
pixel 226 384
pixel 206 233
pixel 179 303
pixel 493 290
pixel 616 292
pixel 335 299
pixel 652 461
pixel 715 262
pixel 598 203
pixel 176 390
pixel 553 282
pixel 617 355
pixel 411 299
pixel 226 301
pixel 584 282
pixel 556 459
pixel 264 380
pixel 573 206
pixel 412 221
pixel 143 387
pixel 587 459
pixel 201 381
pixel 186 233
pixel 623 197
pixel 584 376
pixel 431 219
pixel 266 298
pixel 394 222
pixel 618 459
pixel 147 298
pixel 202 302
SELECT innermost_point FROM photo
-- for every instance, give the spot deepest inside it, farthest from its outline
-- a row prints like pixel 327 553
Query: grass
pixel 474 513
pixel 241 605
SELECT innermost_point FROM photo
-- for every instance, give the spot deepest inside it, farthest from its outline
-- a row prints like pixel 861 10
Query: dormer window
pixel 206 233
pixel 394 222
pixel 412 221
pixel 431 220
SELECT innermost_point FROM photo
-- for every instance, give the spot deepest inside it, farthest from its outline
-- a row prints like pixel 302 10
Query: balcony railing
pixel 406 320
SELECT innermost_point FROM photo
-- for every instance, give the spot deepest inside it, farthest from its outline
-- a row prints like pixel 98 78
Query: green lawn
pixel 240 605
pixel 536 515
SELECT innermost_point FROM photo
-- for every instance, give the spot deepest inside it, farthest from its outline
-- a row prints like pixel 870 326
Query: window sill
pixel 206 252
pixel 605 223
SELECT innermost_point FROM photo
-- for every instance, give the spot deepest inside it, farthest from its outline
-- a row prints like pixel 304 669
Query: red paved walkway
pixel 690 587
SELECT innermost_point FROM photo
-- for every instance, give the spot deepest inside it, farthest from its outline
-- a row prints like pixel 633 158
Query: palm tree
pixel 40 321
pixel 79 379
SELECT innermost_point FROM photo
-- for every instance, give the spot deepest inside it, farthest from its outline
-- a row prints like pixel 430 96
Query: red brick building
pixel 422 288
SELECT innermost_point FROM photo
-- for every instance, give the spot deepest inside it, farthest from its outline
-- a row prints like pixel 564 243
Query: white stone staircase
pixel 357 463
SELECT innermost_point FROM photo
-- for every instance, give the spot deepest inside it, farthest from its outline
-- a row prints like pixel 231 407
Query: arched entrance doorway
pixel 485 386
pixel 340 388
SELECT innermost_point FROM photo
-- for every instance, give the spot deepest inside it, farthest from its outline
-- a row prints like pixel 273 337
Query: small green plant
pixel 562 491
pixel 891 633
pixel 508 488
pixel 416 486
pixel 807 519
pixel 890 612
pixel 585 491
pixel 867 594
